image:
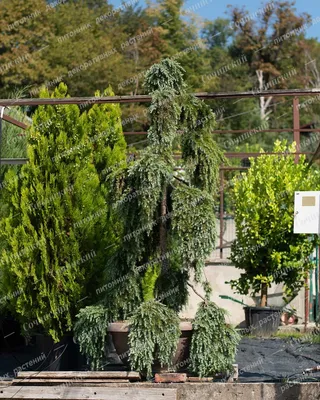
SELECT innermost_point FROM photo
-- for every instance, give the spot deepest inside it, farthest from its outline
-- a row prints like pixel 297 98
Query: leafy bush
pixel 265 247
pixel 214 344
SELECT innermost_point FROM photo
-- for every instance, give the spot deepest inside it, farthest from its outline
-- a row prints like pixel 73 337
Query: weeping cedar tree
pixel 266 248
pixel 168 226
pixel 58 222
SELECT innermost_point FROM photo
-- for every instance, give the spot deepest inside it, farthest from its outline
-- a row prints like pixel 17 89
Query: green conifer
pixel 56 229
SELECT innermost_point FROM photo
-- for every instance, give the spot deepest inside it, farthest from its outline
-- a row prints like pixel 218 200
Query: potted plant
pixel 289 316
pixel 266 249
pixel 168 231
pixel 57 221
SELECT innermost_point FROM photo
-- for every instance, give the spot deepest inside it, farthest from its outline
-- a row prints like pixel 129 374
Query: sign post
pixel 307 221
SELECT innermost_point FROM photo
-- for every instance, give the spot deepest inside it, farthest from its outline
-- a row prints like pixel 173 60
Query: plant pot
pixel 288 319
pixel 10 337
pixel 284 318
pixel 263 321
pixel 120 332
pixel 291 320
pixel 61 356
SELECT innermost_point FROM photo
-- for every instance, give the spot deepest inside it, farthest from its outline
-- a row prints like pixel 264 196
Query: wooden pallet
pixel 69 378
pixel 86 393
pixel 233 377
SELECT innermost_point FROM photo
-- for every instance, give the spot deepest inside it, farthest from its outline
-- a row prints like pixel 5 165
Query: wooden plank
pixel 70 381
pixel 86 393
pixel 231 378
pixel 6 382
pixel 196 379
pixel 132 375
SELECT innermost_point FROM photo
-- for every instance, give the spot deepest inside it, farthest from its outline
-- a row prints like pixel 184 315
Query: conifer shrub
pixel 168 223
pixel 58 219
pixel 214 344
pixel 154 334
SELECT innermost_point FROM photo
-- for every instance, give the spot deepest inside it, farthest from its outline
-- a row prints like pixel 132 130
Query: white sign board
pixel 307 212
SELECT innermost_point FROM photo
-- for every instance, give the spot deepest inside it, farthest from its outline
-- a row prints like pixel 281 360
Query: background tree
pixel 268 51
pixel 25 29
pixel 74 32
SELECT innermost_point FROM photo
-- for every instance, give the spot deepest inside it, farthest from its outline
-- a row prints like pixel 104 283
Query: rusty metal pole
pixel 296 126
pixel 221 210
pixel 318 266
pixel 306 304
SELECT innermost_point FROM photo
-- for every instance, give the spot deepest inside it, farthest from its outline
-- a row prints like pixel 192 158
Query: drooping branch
pixel 181 180
pixel 163 231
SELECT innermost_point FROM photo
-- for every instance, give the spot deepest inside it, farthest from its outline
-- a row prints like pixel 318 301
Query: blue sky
pixel 217 8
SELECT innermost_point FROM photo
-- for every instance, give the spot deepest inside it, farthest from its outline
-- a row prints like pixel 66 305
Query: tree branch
pixel 197 293
pixel 181 180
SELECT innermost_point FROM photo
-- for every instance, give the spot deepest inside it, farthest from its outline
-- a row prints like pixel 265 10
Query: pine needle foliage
pixel 169 223
pixel 168 218
pixel 154 334
pixel 214 344
pixel 90 330
pixel 193 242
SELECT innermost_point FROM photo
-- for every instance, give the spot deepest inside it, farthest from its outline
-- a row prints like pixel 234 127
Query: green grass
pixel 290 335
pixel 311 337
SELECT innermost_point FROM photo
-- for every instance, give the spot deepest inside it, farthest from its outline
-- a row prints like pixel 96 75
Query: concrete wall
pixel 217 274
pixel 248 391
pixel 228 391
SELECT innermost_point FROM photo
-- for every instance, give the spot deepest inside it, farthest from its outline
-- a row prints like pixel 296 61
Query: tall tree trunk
pixel 264 103
pixel 163 232
pixel 311 65
pixel 136 60
pixel 264 295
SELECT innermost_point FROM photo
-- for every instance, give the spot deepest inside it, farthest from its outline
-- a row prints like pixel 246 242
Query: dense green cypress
pixel 106 136
pixel 57 226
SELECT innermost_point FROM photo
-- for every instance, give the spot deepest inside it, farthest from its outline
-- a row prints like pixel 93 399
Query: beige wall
pixel 217 274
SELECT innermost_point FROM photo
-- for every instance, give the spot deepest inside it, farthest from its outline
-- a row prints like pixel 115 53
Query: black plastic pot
pixel 262 321
pixel 10 337
pixel 62 356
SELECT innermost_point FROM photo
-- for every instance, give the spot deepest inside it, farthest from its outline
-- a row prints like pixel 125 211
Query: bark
pixel 197 293
pixel 264 103
pixel 264 295
pixel 312 66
